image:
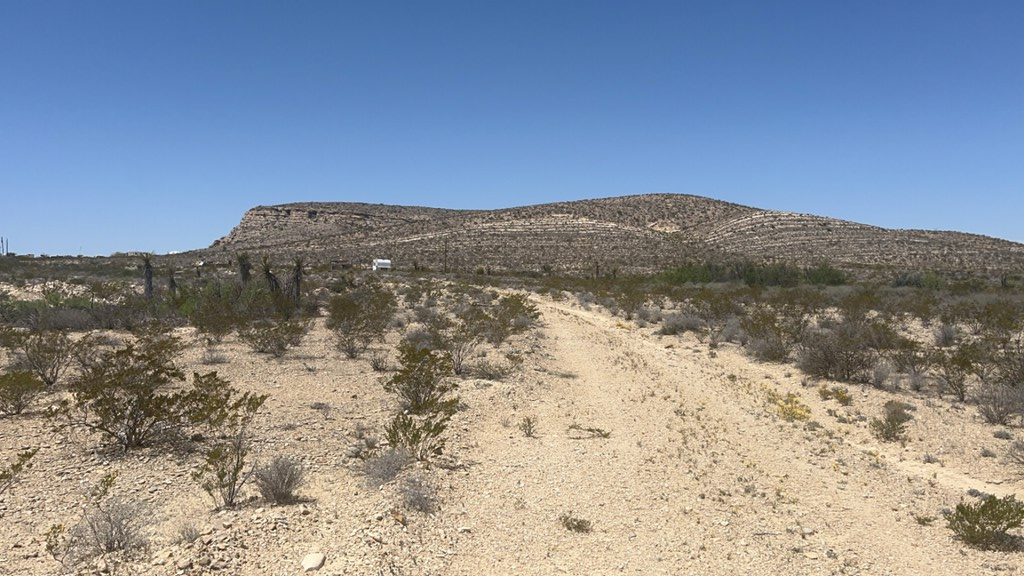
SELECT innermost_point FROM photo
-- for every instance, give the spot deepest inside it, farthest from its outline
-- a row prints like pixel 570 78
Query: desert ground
pixel 671 450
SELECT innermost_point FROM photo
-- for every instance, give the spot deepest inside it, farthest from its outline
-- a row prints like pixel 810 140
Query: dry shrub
pixel 384 467
pixel 278 481
pixel 999 404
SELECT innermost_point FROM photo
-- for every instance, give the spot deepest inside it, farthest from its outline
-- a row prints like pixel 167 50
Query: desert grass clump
pixel 892 427
pixel 493 371
pixel 187 532
pixel 986 524
pixel 380 361
pixel 107 525
pixel 280 479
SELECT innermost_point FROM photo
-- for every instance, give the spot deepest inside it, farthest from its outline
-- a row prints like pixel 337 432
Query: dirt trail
pixel 698 474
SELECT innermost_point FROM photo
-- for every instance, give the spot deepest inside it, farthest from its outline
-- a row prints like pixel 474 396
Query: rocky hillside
pixel 629 234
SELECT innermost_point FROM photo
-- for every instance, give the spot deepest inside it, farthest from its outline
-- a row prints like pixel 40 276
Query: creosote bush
pixel 130 396
pixel 9 474
pixel 360 316
pixel 17 390
pixel 422 382
pixel 273 337
pixel 985 524
pixel 893 425
pixel 422 436
pixel 47 354
pixel 999 403
pixel 841 354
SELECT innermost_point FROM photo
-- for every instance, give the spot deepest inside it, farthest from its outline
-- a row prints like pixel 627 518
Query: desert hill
pixel 631 233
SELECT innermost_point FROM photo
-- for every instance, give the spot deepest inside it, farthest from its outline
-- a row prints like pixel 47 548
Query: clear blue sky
pixel 155 125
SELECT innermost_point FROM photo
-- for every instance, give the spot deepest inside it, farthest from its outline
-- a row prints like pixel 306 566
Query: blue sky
pixel 155 125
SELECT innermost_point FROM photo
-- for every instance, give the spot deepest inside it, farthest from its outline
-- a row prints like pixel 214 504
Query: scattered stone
pixel 313 562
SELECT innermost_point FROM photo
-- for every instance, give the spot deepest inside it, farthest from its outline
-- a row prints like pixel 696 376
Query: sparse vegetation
pixel 574 523
pixel 789 407
pixel 528 426
pixel 273 337
pixel 17 390
pixel 360 316
pixel 9 474
pixel 47 354
pixel 384 466
pixel 986 524
pixel 280 479
pixel 893 424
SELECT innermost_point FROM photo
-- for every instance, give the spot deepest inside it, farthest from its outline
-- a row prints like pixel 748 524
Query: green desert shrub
pixel 9 474
pixel 17 390
pixel 892 427
pixel 422 436
pixel 47 354
pixel 360 316
pixel 131 395
pixel 772 336
pixel 513 314
pixel 954 368
pixel 681 322
pixel 421 382
pixel 273 337
pixel 986 524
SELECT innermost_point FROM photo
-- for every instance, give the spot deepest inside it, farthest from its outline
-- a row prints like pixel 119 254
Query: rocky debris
pixel 313 562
